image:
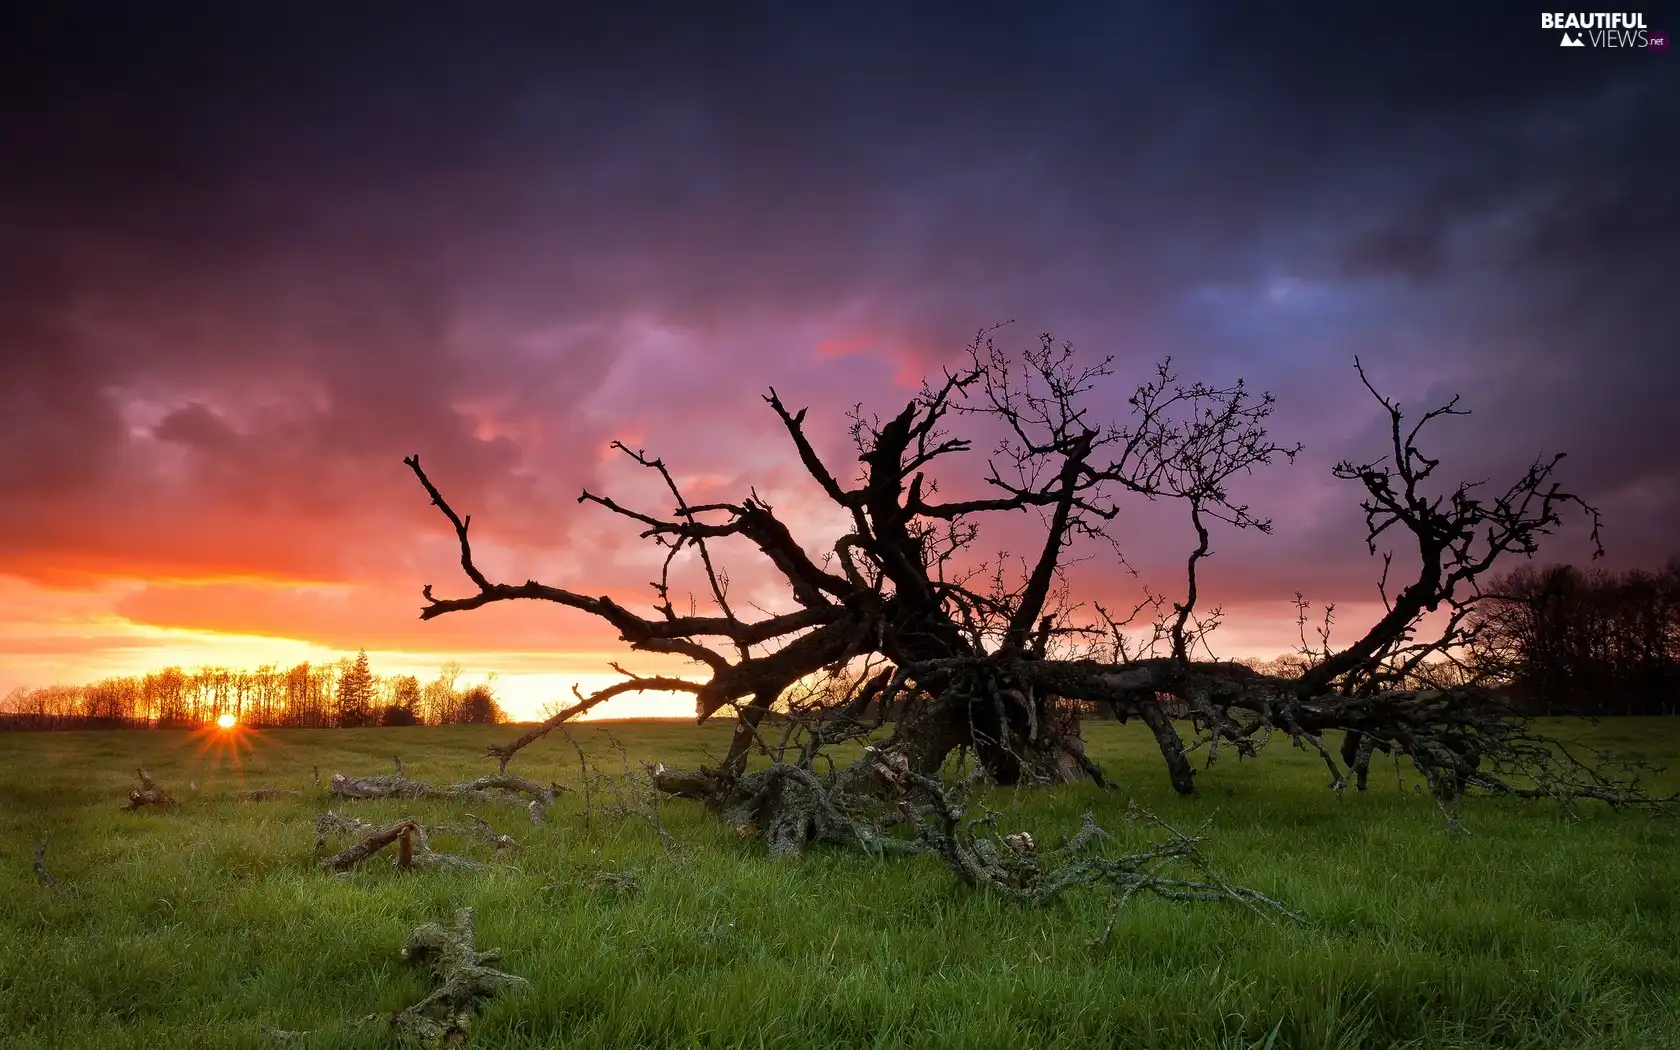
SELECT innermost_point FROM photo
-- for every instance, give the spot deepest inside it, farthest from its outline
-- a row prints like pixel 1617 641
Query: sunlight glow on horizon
pixel 56 638
pixel 524 683
pixel 527 685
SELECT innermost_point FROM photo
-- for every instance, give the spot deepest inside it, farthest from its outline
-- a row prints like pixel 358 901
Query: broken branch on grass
pixel 583 772
pixel 413 839
pixel 369 844
pixel 1012 865
pixel 464 977
pixel 494 787
pixel 479 828
pixel 148 794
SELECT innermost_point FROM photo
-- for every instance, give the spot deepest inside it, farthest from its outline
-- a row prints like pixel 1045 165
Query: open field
pixel 198 926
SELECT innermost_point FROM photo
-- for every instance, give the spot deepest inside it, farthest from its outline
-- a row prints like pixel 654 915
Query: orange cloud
pixel 352 617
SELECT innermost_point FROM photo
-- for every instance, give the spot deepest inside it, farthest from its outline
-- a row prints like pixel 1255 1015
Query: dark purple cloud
pixel 249 260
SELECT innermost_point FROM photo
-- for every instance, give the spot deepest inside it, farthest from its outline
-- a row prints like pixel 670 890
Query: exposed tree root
pixel 412 839
pixel 493 788
pixel 148 793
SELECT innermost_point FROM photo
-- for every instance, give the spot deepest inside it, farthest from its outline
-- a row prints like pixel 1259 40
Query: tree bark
pixel 1179 770
pixel 1356 755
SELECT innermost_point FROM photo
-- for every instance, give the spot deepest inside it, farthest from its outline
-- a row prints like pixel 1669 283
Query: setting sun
pixel 227 721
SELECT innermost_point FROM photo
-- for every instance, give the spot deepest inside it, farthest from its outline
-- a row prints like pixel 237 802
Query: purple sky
pixel 248 262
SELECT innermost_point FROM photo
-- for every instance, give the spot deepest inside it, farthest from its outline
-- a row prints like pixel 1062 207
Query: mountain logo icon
pixel 1571 41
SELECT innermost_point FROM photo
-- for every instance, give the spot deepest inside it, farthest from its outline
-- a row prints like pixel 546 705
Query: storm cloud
pixel 250 260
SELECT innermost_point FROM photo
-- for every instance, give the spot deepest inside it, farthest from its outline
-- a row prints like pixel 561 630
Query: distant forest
pixel 342 694
pixel 1574 641
pixel 1559 640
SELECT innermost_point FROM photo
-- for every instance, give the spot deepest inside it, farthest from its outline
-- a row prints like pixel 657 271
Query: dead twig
pixel 503 753
pixel 41 874
pixel 583 772
pixel 1012 865
pixel 639 796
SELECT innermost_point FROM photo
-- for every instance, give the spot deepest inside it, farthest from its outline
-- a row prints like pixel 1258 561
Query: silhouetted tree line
pixel 1584 641
pixel 343 694
pixel 1560 640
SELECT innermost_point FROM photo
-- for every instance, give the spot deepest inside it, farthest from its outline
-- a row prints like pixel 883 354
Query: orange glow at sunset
pixel 227 721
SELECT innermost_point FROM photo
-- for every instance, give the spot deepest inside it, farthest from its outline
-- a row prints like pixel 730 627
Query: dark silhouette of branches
pixel 906 619
pixel 1563 640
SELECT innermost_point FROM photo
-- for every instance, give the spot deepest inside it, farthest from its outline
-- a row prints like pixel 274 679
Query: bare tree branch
pixel 992 655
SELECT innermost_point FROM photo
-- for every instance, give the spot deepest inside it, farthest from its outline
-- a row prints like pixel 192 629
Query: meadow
pixel 202 925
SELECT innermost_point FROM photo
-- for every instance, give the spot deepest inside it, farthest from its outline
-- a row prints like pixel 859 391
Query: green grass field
pixel 199 926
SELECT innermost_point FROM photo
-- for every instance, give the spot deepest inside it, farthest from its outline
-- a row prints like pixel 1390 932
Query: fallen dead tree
pixel 464 982
pixel 413 841
pixel 495 788
pixel 149 793
pixel 900 633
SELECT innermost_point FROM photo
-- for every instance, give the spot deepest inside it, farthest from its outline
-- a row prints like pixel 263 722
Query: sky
pixel 253 255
